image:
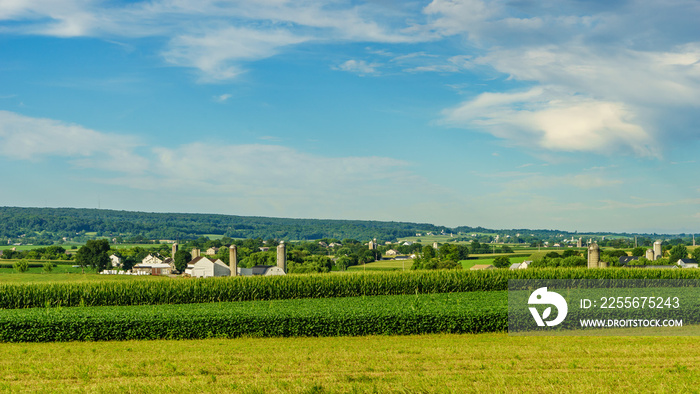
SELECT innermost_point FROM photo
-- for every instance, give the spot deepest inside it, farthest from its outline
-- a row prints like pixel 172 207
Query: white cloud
pixel 27 138
pixel 223 97
pixel 559 122
pixel 217 53
pixel 267 179
pixel 604 80
pixel 215 37
pixel 360 67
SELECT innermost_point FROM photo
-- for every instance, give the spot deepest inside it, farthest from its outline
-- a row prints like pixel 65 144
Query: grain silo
pixel 233 259
pixel 593 256
pixel 657 250
pixel 282 256
pixel 649 255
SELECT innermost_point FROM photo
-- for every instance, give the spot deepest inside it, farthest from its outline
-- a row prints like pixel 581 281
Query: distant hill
pixel 57 223
pixel 46 225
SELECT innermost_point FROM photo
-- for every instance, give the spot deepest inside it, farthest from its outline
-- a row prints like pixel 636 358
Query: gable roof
pixel 626 259
pixel 688 261
pixel 481 267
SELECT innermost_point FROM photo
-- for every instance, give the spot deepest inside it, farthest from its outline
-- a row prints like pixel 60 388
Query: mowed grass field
pixel 422 363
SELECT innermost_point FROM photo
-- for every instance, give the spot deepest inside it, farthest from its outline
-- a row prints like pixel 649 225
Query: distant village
pixel 202 266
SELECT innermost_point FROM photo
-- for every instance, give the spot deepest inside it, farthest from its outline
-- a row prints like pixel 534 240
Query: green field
pixel 438 363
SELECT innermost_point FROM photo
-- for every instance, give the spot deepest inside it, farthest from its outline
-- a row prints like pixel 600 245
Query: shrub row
pixel 379 315
pixel 186 291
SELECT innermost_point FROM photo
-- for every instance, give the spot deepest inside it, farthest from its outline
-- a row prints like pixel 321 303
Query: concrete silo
pixel 658 253
pixel 593 256
pixel 282 256
pixel 649 255
pixel 233 259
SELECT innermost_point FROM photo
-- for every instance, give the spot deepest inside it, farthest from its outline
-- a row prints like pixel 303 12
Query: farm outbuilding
pixel 261 270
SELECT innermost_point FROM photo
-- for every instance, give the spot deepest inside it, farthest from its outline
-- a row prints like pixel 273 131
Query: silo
pixel 650 255
pixel 233 259
pixel 174 250
pixel 657 250
pixel 593 256
pixel 195 253
pixel 579 243
pixel 282 256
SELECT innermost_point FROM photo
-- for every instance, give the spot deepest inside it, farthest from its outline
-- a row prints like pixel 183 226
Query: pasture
pixel 492 362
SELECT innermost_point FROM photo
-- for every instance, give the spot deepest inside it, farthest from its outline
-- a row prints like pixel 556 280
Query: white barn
pixel 202 267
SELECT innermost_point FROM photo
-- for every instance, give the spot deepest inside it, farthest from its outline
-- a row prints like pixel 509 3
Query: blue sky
pixel 580 116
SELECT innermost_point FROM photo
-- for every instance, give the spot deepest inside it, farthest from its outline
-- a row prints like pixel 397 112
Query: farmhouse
pixel 212 251
pixel 203 267
pixel 687 263
pixel 116 260
pixel 391 252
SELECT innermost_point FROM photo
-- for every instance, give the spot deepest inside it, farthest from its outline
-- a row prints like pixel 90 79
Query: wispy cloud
pixel 269 178
pixel 222 98
pixel 359 67
pixel 27 138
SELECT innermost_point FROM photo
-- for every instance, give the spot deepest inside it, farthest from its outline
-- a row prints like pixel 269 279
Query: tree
pixel 696 253
pixel 428 252
pixel 677 252
pixel 501 262
pixel 639 251
pixel 21 265
pixel 48 267
pixel 94 254
pixel 569 253
pixel 182 257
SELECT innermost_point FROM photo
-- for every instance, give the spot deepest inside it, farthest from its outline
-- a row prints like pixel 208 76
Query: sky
pixel 567 114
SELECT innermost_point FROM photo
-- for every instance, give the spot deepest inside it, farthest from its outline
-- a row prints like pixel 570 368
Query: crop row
pixel 379 315
pixel 187 291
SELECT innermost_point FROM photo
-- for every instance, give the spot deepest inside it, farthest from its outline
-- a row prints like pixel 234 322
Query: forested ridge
pixel 57 223
pixel 45 225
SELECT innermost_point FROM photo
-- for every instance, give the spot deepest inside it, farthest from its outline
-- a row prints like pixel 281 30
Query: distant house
pixel 261 270
pixel 323 244
pixel 687 263
pixel 212 251
pixel 520 266
pixel 264 249
pixel 151 259
pixel 391 252
pixel 407 243
pixel 116 260
pixel 334 244
pixel 203 267
pixel 479 267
